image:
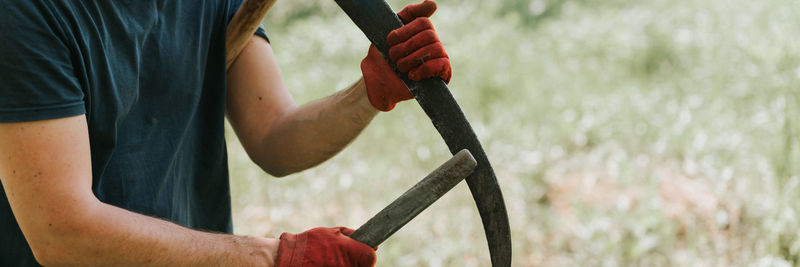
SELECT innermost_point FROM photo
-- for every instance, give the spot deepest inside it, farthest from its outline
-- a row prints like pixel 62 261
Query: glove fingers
pixel 403 33
pixel 365 259
pixel 415 43
pixel 412 11
pixel 421 57
pixel 439 67
pixel 361 254
pixel 346 231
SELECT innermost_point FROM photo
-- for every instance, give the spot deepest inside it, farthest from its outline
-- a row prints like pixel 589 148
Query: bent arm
pixel 279 136
pixel 45 169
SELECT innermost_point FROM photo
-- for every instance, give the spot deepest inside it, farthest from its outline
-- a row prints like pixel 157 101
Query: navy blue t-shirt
pixel 149 75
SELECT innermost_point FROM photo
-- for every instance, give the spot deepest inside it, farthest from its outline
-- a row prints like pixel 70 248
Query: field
pixel 623 133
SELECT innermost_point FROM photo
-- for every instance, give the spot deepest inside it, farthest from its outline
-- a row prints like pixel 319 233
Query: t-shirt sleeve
pixel 37 77
pixel 235 4
pixel 263 33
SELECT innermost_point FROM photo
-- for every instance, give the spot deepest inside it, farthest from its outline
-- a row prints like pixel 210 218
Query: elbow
pixel 51 253
pixel 280 163
pixel 57 253
pixel 58 256
pixel 285 166
pixel 277 166
pixel 39 254
pixel 272 164
pixel 279 174
pixel 276 170
pixel 47 256
pixel 62 242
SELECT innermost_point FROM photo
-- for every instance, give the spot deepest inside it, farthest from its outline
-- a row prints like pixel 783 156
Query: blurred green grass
pixel 645 133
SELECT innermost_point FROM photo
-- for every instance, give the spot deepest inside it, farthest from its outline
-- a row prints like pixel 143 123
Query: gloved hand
pixel 331 247
pixel 415 48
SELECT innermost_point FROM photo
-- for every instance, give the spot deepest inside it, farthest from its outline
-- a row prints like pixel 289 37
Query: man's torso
pixel 150 77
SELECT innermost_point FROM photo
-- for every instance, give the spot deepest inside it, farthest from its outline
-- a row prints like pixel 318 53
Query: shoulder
pixel 16 12
pixel 36 74
pixel 34 19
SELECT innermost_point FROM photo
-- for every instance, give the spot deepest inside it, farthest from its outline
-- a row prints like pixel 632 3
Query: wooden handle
pixel 415 200
pixel 242 26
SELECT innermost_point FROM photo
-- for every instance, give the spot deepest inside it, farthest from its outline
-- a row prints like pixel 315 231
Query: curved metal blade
pixel 376 19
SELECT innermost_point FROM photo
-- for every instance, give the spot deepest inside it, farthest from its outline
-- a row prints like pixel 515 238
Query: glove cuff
pixel 291 250
pixel 376 98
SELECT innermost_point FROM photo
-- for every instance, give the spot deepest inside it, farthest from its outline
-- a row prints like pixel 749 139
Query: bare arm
pixel 278 135
pixel 45 169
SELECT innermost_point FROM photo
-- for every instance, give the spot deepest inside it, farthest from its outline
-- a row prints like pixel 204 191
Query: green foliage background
pixel 660 132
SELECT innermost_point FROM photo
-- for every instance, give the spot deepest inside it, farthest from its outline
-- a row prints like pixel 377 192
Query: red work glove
pixel 415 48
pixel 331 247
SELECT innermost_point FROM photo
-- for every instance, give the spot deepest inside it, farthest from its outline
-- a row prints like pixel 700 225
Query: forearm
pixel 45 170
pixel 104 235
pixel 278 135
pixel 310 134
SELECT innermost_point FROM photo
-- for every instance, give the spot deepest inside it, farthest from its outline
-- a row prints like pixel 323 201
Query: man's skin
pixel 273 130
pixel 45 168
